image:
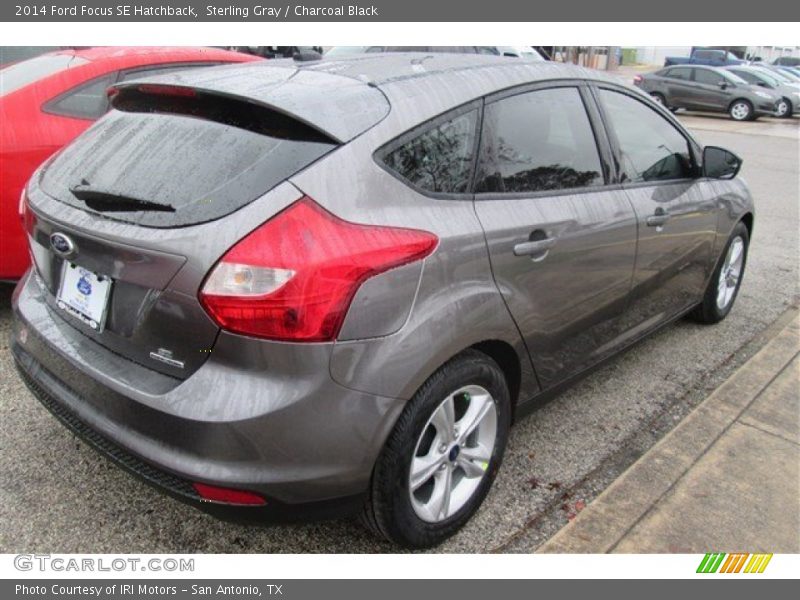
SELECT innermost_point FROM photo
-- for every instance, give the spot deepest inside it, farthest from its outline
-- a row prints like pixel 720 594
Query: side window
pixel 87 101
pixel 540 140
pixel 748 77
pixel 439 159
pixel 651 148
pixel 707 77
pixel 683 74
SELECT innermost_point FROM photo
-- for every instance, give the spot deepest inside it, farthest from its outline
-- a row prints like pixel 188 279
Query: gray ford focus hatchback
pixel 308 289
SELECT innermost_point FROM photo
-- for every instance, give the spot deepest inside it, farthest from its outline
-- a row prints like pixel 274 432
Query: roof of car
pixel 390 68
pixel 345 96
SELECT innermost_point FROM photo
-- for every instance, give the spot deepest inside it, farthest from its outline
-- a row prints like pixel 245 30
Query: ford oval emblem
pixel 62 244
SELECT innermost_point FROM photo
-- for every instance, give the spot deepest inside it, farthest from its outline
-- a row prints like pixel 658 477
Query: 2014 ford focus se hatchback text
pixel 319 288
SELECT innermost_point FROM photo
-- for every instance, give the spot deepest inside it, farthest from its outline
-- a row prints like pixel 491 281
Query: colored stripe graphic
pixel 734 560
pixel 713 562
pixel 758 563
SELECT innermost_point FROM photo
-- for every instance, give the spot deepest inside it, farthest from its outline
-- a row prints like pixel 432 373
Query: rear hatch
pixel 128 220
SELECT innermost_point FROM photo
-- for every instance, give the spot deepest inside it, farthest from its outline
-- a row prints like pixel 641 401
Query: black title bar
pixel 393 11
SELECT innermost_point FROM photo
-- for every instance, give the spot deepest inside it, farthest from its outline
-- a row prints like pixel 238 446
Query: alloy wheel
pixel 730 273
pixel 740 111
pixel 453 453
pixel 782 109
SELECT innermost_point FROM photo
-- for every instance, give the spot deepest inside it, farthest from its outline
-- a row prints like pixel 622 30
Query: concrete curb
pixel 606 521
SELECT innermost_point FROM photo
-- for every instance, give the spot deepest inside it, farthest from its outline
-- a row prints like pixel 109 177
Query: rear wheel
pixel 726 279
pixel 659 98
pixel 441 459
pixel 741 110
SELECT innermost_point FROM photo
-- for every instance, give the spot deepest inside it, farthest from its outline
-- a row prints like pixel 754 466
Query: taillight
pixel 293 278
pixel 637 79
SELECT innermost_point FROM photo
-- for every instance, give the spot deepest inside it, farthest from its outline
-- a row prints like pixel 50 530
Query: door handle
pixel 659 218
pixel 534 247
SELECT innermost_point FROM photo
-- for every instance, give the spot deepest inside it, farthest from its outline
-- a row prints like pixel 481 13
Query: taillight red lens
pixel 637 79
pixel 294 277
pixel 213 493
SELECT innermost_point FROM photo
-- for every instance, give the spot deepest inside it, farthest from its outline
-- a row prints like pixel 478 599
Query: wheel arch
pixel 509 362
pixel 748 220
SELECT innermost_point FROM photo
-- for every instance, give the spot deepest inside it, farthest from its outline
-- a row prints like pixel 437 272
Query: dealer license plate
pixel 84 295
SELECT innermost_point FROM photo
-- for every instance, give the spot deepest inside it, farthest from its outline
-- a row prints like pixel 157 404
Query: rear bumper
pixel 307 446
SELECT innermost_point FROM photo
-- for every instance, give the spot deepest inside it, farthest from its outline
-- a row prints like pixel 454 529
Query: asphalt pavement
pixel 58 496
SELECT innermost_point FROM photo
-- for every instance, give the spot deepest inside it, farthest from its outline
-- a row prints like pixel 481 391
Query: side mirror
pixel 511 54
pixel 719 163
pixel 723 85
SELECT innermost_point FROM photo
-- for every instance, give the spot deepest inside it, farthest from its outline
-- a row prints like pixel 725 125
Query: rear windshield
pixel 177 163
pixel 18 75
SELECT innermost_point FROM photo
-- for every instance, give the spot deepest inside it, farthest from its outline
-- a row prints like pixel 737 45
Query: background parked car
pixel 527 52
pixel 705 56
pixel 520 52
pixel 710 89
pixel 790 93
pixel 787 61
pixel 350 50
pixel 46 101
pixel 790 74
pixel 275 51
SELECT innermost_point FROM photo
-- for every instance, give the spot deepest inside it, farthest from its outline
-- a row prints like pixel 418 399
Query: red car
pixel 46 101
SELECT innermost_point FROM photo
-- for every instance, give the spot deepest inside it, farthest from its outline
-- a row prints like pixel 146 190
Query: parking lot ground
pixel 727 477
pixel 57 495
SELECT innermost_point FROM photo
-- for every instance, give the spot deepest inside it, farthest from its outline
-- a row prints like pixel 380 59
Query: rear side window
pixel 684 74
pixel 537 141
pixel 651 148
pixel 87 101
pixel 171 161
pixel 438 159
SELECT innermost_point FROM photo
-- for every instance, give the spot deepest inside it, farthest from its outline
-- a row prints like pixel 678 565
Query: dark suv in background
pixel 708 89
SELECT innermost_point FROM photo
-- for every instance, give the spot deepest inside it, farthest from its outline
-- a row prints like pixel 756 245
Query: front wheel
pixel 741 110
pixel 443 455
pixel 726 279
pixel 783 109
pixel 659 98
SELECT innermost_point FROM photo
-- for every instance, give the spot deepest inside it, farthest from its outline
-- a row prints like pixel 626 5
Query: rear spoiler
pixel 210 105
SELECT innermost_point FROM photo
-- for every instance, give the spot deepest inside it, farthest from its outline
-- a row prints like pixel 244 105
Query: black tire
pixel 708 310
pixel 659 98
pixel 741 110
pixel 788 111
pixel 388 510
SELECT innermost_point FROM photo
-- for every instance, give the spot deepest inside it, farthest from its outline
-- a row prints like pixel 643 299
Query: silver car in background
pixel 789 102
pixel 293 290
pixel 708 89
